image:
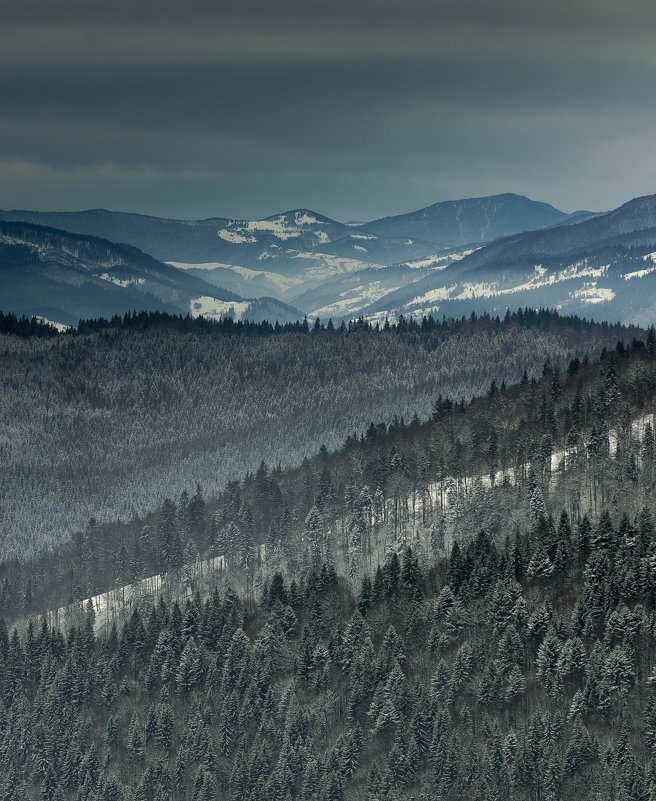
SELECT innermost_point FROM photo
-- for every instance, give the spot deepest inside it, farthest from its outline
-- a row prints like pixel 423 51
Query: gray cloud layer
pixel 353 108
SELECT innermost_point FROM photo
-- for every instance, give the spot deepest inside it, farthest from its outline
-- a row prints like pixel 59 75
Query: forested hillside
pixel 521 670
pixel 64 276
pixel 109 423
pixel 580 439
pixel 463 608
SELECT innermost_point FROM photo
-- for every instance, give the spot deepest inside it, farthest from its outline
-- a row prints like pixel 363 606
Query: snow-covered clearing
pixel 61 327
pixel 207 306
pixel 352 300
pixel 591 293
pixel 283 282
pixel 128 282
pixel 114 604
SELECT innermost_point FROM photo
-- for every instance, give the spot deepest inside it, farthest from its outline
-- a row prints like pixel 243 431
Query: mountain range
pixel 603 266
pixel 64 277
pixel 482 254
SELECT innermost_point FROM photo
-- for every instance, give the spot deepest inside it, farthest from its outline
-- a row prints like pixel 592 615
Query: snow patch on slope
pixel 129 282
pixel 61 327
pixel 303 218
pixel 439 261
pixel 639 273
pixel 591 293
pixel 214 309
pixel 646 271
pixel 282 227
pixel 235 237
pixel 352 300
pixel 336 265
pixel 489 289
pixel 281 281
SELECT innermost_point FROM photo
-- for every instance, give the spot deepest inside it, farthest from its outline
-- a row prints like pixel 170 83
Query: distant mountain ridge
pixel 251 243
pixel 604 267
pixel 454 223
pixel 64 276
pixel 446 224
pixel 450 258
pixel 306 259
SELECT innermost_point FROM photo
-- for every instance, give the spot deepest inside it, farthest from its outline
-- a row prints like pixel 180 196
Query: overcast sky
pixel 354 108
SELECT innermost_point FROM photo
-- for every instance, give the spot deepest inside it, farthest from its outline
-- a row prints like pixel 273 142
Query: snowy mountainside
pixel 280 243
pixel 319 265
pixel 344 296
pixel 603 267
pixel 329 286
pixel 65 277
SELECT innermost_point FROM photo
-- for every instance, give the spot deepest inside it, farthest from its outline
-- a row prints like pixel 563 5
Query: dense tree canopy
pixel 108 423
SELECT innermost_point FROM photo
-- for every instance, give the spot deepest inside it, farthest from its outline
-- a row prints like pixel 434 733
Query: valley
pixel 327 401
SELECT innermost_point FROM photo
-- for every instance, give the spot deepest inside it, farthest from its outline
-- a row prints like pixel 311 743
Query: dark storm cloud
pixel 354 108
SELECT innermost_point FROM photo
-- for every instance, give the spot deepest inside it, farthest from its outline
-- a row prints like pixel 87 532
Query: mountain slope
pixel 454 223
pixel 171 408
pixel 280 239
pixel 604 266
pixel 65 277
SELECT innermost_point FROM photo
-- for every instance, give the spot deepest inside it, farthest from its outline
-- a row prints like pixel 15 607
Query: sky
pixel 354 108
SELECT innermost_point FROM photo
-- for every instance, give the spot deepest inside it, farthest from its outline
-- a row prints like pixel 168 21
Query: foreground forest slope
pixel 580 439
pixel 523 670
pixel 108 423
pixel 459 609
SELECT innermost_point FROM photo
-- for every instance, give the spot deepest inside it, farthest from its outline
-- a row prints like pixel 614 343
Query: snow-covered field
pixel 217 309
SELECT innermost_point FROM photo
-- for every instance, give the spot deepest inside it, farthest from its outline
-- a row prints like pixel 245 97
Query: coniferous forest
pixel 459 607
pixel 109 420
